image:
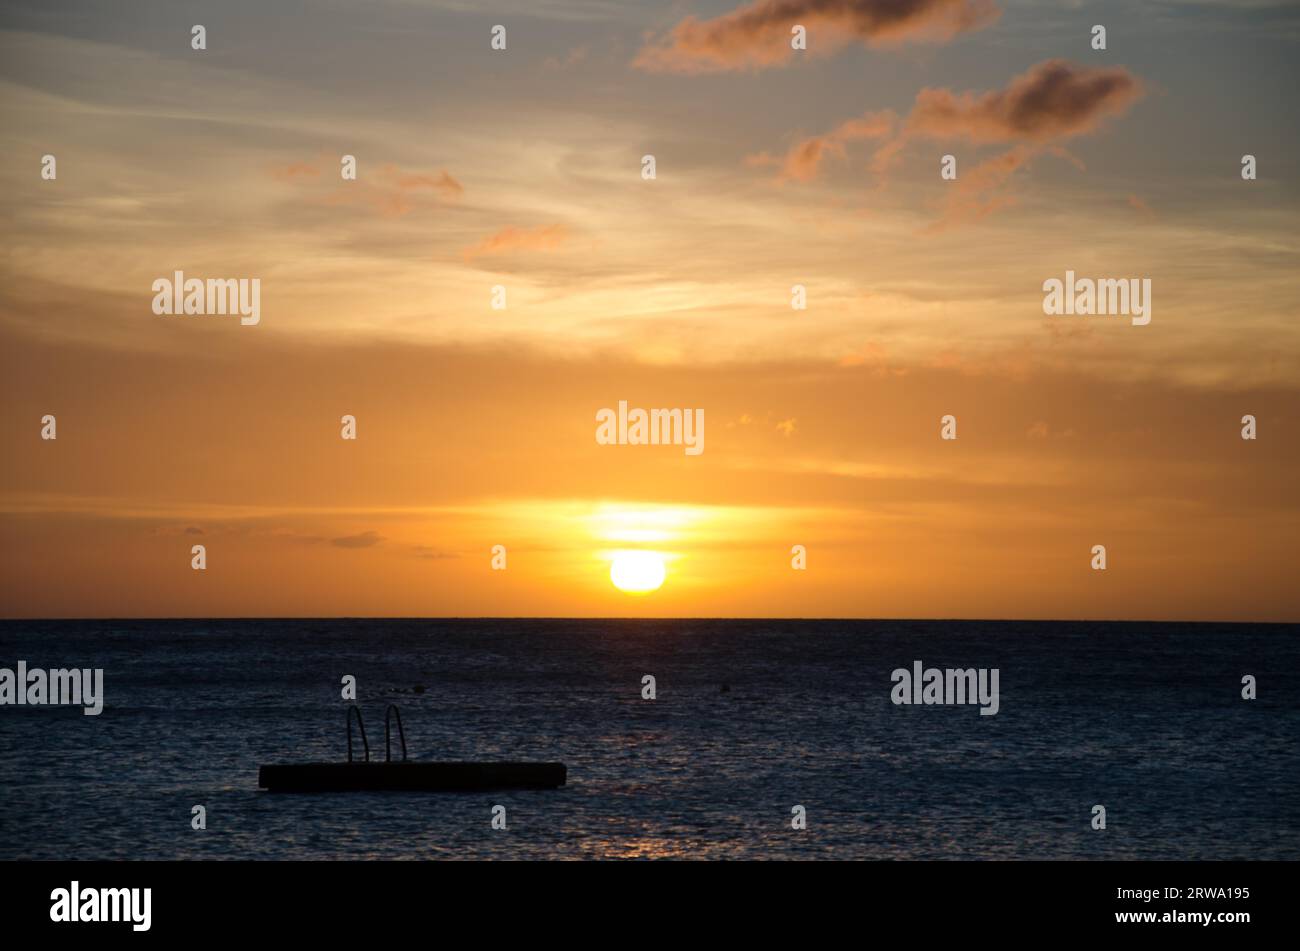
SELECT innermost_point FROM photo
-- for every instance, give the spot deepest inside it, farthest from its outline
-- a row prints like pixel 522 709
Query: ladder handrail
pixel 401 733
pixel 360 723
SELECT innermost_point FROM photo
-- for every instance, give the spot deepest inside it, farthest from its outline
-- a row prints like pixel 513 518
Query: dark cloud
pixel 364 540
pixel 758 35
pixel 1051 101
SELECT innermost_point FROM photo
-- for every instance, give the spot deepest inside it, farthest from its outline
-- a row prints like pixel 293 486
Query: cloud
pixel 758 35
pixel 1051 101
pixel 295 170
pixel 390 191
pixel 978 192
pixel 1040 430
pixel 364 540
pixel 442 183
pixel 544 238
pixel 431 553
pixel 786 427
pixel 574 57
pixel 395 193
pixel 802 162
pixel 1048 104
pixel 1140 206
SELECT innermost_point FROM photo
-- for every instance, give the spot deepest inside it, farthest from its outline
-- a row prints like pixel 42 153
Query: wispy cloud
pixel 543 238
pixel 390 191
pixel 803 161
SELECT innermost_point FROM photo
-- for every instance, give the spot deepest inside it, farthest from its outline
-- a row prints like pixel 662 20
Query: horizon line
pixel 530 617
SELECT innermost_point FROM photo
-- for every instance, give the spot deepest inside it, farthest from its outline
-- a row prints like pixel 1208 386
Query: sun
pixel 637 571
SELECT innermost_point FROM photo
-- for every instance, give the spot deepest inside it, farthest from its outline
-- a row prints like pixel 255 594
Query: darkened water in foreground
pixel 1146 719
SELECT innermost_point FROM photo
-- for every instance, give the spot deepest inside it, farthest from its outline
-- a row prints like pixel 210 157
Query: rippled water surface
pixel 752 717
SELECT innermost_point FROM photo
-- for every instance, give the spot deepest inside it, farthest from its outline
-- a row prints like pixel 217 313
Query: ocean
pixel 751 718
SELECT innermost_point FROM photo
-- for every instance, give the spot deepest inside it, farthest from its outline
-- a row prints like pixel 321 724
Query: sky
pixel 522 168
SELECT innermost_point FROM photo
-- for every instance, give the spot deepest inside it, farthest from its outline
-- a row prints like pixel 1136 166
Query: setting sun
pixel 637 572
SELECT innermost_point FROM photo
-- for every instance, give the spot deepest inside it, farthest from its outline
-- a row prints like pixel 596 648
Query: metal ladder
pixel 391 714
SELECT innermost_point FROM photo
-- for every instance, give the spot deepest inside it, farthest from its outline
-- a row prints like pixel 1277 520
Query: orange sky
pixel 476 426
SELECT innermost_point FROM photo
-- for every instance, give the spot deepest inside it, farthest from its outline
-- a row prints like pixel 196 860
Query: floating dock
pixel 403 775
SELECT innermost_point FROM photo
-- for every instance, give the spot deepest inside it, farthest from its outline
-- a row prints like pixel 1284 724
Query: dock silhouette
pixel 403 775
